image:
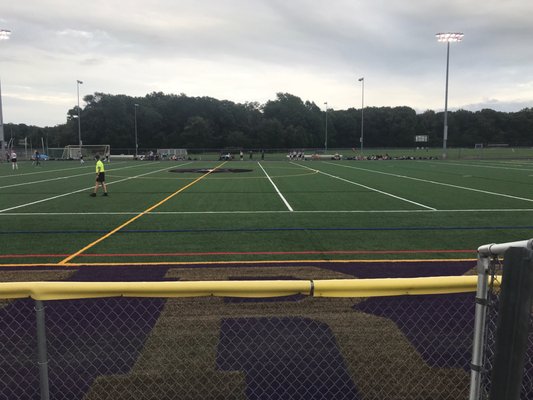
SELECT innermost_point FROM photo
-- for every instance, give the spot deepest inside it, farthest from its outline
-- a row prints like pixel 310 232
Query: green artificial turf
pixel 279 210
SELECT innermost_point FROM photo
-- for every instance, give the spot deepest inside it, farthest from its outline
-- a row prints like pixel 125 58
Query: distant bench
pixel 122 156
pixel 323 157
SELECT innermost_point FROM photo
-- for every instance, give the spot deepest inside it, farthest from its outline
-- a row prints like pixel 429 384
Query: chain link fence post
pixel 513 324
pixel 42 356
pixel 487 308
pixel 479 326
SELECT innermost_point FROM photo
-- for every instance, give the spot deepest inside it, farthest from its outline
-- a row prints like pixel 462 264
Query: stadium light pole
pixel 448 38
pixel 78 82
pixel 326 139
pixel 361 139
pixel 4 35
pixel 2 140
pixel 136 143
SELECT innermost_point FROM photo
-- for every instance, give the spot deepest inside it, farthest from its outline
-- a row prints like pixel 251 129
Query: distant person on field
pixel 37 159
pixel 100 176
pixel 14 164
pixel 81 158
pixel 241 155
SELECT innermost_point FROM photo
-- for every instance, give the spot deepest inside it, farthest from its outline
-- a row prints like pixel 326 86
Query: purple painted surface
pixel 285 358
pixel 431 323
pixel 440 327
pixel 86 338
pixel 401 269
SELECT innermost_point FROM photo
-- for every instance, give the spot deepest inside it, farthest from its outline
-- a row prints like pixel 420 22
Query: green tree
pixel 197 133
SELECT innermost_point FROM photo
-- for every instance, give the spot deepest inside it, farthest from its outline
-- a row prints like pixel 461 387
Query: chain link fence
pixel 489 351
pixel 309 342
pixel 290 347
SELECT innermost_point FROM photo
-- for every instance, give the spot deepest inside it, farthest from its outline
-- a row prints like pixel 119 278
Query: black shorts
pixel 100 177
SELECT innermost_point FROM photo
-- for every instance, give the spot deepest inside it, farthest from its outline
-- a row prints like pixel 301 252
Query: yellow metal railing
pixel 252 289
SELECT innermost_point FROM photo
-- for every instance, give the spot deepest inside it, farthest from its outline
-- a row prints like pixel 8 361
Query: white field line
pixel 476 165
pixel 277 190
pixel 436 183
pixel 82 190
pixel 62 177
pixel 45 171
pixel 370 188
pixel 491 210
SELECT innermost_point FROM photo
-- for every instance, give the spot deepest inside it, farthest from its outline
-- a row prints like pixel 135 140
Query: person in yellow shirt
pixel 100 176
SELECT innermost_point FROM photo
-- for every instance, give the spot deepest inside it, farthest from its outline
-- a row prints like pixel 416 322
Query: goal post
pixel 173 154
pixel 74 152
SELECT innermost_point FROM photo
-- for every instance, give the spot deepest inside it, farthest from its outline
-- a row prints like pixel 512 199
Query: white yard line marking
pixel 82 190
pixel 435 182
pixel 474 165
pixel 63 177
pixel 492 210
pixel 277 190
pixel 45 171
pixel 371 188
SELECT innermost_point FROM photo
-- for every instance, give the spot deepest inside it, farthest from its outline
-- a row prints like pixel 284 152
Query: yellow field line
pixel 66 260
pixel 223 263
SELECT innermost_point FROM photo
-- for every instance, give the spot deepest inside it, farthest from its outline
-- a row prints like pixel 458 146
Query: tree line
pixel 179 121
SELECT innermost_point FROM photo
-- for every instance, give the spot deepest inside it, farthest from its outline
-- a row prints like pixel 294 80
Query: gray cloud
pixel 250 49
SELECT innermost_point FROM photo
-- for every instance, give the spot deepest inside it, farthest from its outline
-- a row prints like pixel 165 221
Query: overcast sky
pixel 249 50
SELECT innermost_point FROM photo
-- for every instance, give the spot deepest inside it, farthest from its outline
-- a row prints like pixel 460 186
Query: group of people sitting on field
pixel 387 157
pixel 226 157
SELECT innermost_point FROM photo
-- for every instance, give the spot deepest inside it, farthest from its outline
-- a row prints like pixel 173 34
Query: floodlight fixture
pixel 4 34
pixel 449 37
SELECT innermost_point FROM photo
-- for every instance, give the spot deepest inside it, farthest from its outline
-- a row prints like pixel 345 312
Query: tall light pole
pixel 4 35
pixel 2 140
pixel 136 144
pixel 361 139
pixel 78 82
pixel 448 38
pixel 326 140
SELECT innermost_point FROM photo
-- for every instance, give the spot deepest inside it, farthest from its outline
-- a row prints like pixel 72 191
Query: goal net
pixel 73 152
pixel 176 154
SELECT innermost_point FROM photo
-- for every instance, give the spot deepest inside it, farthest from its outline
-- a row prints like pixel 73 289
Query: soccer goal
pixel 173 154
pixel 74 152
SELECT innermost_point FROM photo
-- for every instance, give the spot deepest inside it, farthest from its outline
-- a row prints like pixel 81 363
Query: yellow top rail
pixel 252 289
